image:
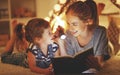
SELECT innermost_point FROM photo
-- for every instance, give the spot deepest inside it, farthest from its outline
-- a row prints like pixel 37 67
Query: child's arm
pixel 34 68
pixel 62 47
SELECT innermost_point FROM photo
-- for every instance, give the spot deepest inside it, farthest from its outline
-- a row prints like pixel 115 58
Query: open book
pixel 73 64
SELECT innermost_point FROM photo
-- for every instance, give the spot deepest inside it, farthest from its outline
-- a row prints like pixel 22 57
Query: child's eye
pixel 75 24
pixel 50 33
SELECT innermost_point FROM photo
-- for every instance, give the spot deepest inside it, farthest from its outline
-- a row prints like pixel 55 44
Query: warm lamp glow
pixel 118 1
pixel 82 0
pixel 62 1
pixel 57 7
pixel 58 22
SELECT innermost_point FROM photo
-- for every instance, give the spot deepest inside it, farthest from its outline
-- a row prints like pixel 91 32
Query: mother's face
pixel 75 25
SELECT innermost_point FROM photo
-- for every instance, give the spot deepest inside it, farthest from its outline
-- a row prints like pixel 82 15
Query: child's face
pixel 76 26
pixel 47 36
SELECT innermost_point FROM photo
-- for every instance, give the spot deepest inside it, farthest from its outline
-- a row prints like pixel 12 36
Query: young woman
pixel 84 32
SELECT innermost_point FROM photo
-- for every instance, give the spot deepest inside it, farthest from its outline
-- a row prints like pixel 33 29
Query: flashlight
pixel 60 33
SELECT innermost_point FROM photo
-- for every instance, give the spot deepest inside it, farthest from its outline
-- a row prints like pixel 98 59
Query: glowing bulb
pixel 83 0
pixel 62 1
pixel 57 7
pixel 117 1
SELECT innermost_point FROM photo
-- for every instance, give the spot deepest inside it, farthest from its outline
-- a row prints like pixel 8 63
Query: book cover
pixel 73 64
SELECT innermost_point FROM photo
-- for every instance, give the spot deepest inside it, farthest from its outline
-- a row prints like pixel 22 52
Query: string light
pixel 57 7
pixel 118 2
pixel 62 1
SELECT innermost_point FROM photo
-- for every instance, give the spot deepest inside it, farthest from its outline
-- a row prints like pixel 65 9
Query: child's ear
pixel 89 22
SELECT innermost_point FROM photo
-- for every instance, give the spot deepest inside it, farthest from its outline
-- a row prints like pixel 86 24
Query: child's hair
pixel 35 28
pixel 94 11
pixel 81 10
pixel 19 31
pixel 19 37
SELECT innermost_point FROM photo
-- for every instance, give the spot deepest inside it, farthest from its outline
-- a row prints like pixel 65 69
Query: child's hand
pixel 49 70
pixel 59 33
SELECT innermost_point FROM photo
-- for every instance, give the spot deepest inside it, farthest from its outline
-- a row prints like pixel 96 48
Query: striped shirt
pixel 42 60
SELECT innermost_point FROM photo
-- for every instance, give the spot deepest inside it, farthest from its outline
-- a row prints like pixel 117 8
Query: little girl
pixel 42 47
pixel 15 50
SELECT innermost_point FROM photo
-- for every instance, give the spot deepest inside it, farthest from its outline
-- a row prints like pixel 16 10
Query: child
pixel 84 32
pixel 15 51
pixel 42 47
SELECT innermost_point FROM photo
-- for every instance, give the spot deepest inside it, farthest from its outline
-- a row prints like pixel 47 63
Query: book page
pixel 69 56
